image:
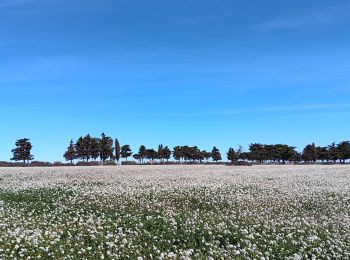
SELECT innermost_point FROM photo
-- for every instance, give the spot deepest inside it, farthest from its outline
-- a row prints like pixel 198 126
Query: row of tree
pixel 282 153
pixel 90 148
pixel 104 148
pixel 260 153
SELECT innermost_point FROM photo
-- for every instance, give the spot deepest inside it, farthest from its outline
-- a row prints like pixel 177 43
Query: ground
pixel 175 212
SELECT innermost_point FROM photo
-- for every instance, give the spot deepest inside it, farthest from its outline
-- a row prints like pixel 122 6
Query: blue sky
pixel 174 72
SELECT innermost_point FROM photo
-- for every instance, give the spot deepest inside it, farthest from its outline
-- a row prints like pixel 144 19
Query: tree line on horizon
pixel 104 148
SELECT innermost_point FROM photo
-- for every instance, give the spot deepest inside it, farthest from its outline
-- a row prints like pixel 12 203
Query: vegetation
pixel 117 150
pixel 71 153
pixel 105 147
pixel 125 151
pixel 179 213
pixel 231 155
pixel 215 154
pixel 22 151
pixel 88 149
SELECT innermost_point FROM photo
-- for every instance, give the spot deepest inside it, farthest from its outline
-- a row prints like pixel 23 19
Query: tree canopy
pixel 22 152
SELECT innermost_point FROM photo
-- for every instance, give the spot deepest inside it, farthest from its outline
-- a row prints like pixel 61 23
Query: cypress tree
pixel 117 150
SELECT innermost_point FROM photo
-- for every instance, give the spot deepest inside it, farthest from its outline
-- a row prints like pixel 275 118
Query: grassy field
pixel 175 212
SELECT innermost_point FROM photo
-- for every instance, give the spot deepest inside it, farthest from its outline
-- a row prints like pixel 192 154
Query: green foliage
pixel 142 152
pixel 215 154
pixel 22 151
pixel 322 153
pixel 333 152
pixel 344 150
pixel 137 157
pixel 258 152
pixel 189 153
pixel 117 150
pixel 95 148
pixel 310 153
pixel 231 155
pixel 105 147
pixel 160 154
pixel 166 153
pixel 206 155
pixel 71 153
pixel 274 152
pixel 125 151
pixel 87 148
pixel 151 154
pixel 84 147
pixel 110 162
pixel 177 153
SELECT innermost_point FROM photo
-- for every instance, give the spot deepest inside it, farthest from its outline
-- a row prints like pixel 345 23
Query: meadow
pixel 175 212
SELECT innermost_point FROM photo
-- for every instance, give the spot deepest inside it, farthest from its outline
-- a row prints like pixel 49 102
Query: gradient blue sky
pixel 178 72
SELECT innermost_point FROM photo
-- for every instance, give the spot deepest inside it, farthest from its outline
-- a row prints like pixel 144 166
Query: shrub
pixel 129 163
pixel 88 164
pixel 240 163
pixel 40 164
pixel 110 162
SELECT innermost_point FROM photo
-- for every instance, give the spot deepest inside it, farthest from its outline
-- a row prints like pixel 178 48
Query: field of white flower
pixel 175 212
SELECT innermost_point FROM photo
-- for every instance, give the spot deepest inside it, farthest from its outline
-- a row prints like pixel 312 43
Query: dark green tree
pixel 166 153
pixel 117 149
pixel 177 153
pixel 333 151
pixel 283 152
pixel 22 151
pixel 310 153
pixel 215 154
pixel 160 154
pixel 322 153
pixel 105 147
pixel 71 153
pixel 344 150
pixel 195 154
pixel 137 157
pixel 185 151
pixel 94 148
pixel 85 148
pixel 257 152
pixel 206 155
pixel 231 155
pixel 238 151
pixel 142 152
pixel 151 154
pixel 125 152
pixel 81 151
pixel 245 156
pixel 296 158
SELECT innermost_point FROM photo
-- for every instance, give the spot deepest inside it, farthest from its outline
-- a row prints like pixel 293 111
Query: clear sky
pixel 202 72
